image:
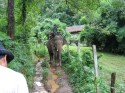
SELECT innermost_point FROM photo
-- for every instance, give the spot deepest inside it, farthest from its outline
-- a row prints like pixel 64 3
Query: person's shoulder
pixel 5 70
pixel 8 71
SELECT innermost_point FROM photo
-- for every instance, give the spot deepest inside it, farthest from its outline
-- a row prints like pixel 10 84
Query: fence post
pixel 96 67
pixel 78 49
pixel 113 78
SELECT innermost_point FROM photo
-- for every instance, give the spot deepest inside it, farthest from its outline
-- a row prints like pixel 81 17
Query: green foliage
pixel 21 48
pixel 59 9
pixel 121 88
pixel 3 16
pixel 26 14
pixel 44 26
pixel 86 33
pixel 105 24
pixel 121 34
pixel 40 51
pixel 45 71
pixel 83 5
pixel 109 62
pixel 107 32
pixel 83 20
pixel 3 37
pixel 81 73
pixel 45 64
pixel 87 57
pixel 68 56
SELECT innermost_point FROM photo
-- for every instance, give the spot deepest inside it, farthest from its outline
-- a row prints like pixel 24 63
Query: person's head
pixel 5 56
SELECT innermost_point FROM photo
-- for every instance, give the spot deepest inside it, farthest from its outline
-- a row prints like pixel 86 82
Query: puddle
pixel 51 81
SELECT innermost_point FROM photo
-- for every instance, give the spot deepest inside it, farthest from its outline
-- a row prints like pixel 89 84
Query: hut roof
pixel 74 29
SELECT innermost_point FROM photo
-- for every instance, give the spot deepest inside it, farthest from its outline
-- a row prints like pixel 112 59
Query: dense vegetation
pixel 17 36
pixel 24 27
pixel 107 32
pixel 81 71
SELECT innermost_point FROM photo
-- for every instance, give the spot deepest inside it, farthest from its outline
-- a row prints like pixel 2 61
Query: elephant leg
pixel 54 56
pixel 59 59
pixel 51 58
pixel 49 46
pixel 57 64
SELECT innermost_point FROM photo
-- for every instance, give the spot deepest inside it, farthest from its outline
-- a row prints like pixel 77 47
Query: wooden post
pixel 78 47
pixel 113 78
pixel 78 50
pixel 78 43
pixel 68 49
pixel 96 67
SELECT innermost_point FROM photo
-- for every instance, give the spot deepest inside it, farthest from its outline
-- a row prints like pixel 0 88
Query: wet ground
pixel 57 81
pixel 38 86
pixel 64 86
pixel 52 80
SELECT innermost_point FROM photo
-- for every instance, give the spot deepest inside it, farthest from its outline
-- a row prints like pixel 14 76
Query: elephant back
pixel 58 37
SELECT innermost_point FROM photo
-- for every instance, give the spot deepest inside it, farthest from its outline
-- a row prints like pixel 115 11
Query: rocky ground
pixel 38 86
pixel 57 81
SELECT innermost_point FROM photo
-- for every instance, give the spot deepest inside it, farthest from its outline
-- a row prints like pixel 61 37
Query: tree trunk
pixel 11 20
pixel 24 11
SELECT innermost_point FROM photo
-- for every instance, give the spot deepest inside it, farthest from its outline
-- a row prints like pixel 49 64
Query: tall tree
pixel 23 11
pixel 11 20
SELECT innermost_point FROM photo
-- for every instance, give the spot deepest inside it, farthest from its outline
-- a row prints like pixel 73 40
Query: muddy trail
pixel 56 82
pixel 38 86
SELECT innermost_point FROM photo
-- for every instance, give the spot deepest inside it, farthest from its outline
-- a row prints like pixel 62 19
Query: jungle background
pixel 24 25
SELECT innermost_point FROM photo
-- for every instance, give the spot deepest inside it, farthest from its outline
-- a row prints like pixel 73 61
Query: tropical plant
pixel 81 72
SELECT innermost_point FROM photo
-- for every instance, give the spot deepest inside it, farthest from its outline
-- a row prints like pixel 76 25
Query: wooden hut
pixel 75 29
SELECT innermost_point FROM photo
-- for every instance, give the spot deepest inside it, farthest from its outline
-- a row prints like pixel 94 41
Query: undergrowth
pixel 80 69
pixel 45 71
pixel 40 51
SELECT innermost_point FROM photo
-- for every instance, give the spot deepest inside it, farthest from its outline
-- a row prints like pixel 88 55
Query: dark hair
pixel 1 56
pixel 4 52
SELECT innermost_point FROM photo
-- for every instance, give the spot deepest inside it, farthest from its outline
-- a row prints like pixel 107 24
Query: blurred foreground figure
pixel 10 80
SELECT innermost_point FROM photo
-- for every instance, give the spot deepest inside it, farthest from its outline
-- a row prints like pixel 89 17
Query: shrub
pixel 45 64
pixel 45 71
pixel 40 51
pixel 87 57
pixel 81 73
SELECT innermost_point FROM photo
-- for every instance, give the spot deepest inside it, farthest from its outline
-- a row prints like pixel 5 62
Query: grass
pixel 108 63
pixel 112 63
pixel 74 48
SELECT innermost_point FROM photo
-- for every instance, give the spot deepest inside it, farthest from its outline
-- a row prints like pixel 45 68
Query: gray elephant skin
pixel 54 46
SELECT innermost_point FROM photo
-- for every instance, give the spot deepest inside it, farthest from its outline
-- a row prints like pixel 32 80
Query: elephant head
pixel 54 46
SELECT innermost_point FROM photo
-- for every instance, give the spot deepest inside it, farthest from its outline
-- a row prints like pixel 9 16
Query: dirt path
pixel 38 86
pixel 56 83
pixel 52 80
pixel 63 82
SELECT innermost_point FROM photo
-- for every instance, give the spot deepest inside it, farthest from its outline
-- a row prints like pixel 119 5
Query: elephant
pixel 54 46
